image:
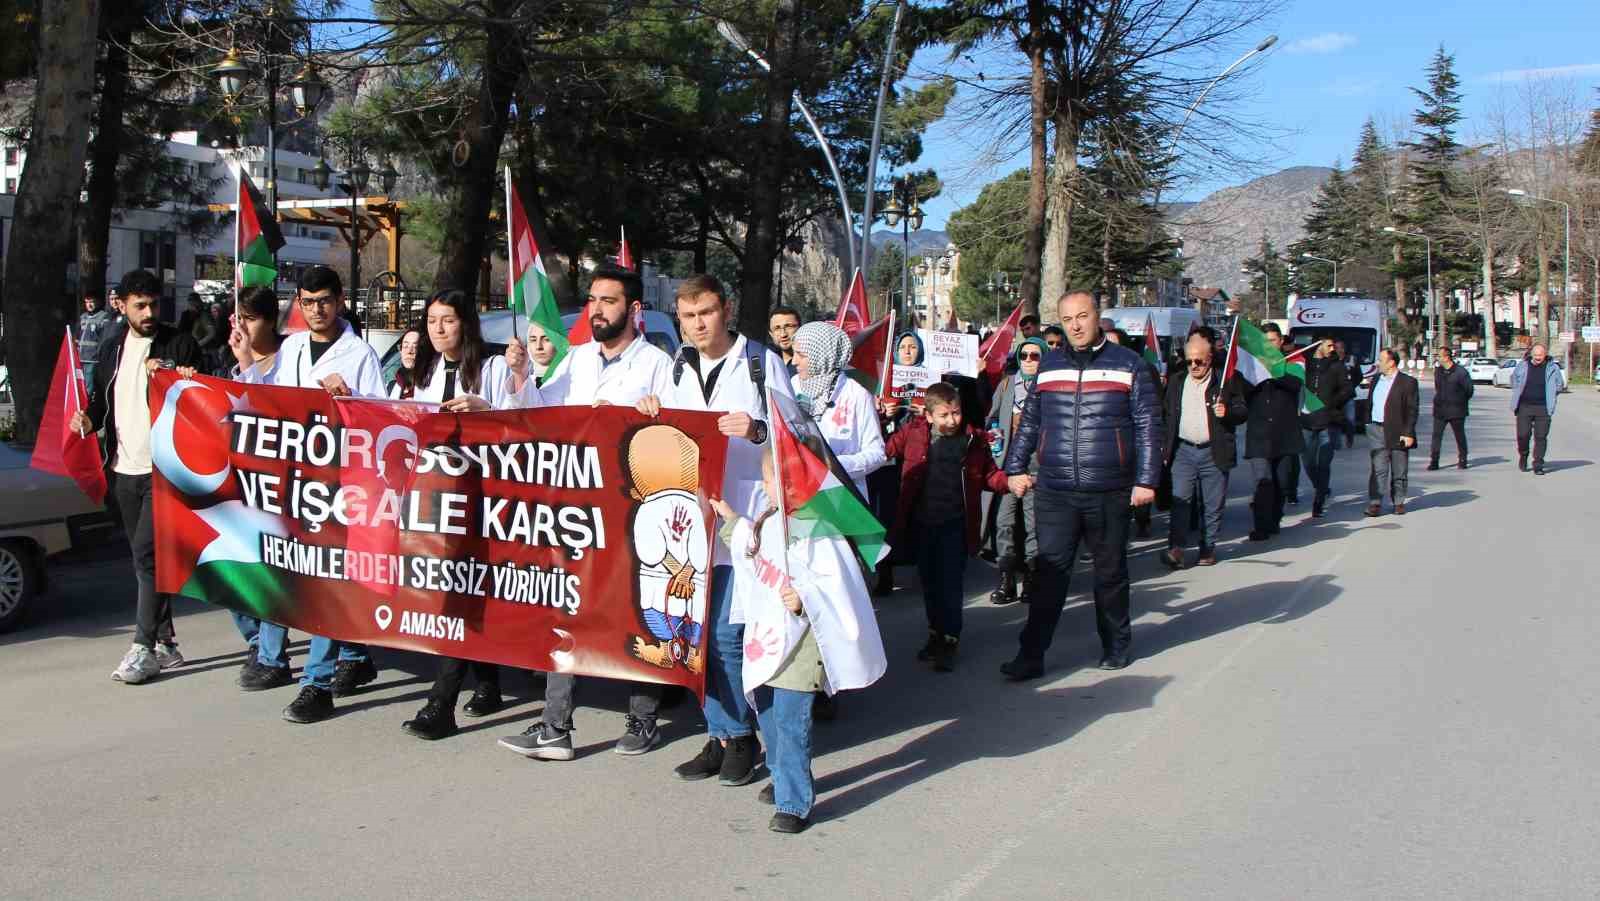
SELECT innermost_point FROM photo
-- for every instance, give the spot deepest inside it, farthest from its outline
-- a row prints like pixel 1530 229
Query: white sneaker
pixel 138 665
pixel 167 655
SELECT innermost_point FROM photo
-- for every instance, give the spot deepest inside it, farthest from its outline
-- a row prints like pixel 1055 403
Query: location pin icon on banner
pixel 384 616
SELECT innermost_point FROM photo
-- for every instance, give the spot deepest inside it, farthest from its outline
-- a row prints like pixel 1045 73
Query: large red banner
pixel 564 539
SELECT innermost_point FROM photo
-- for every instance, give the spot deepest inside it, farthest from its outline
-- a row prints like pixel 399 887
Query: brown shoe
pixel 1399 509
pixel 1373 510
pixel 1173 558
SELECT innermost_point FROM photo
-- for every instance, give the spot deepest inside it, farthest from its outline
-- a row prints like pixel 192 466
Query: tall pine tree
pixel 1432 190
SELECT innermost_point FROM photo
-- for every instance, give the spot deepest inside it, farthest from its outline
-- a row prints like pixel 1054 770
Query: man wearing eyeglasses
pixel 331 356
pixel 1202 411
pixel 1054 337
pixel 782 323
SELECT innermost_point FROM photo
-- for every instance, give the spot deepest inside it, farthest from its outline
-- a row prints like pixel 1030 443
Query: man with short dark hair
pixel 1323 426
pixel 1054 337
pixel 331 356
pixel 1452 390
pixel 1028 326
pixel 618 368
pixel 1536 383
pixel 119 403
pixel 782 323
pixel 1272 442
pixel 721 371
pixel 1393 432
pixel 1092 420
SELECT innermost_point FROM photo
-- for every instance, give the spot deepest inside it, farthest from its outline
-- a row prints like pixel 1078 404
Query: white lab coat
pixel 669 532
pixel 584 378
pixel 351 358
pixel 833 595
pixel 850 426
pixel 734 393
pixel 494 383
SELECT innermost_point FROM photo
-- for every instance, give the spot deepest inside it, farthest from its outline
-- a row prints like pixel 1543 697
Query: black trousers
pixel 1066 518
pixel 1533 422
pixel 153 619
pixel 453 672
pixel 1272 476
pixel 1458 425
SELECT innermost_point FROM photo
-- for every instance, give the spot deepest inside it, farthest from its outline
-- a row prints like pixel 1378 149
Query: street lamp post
pixel 732 36
pixel 1266 277
pixel 355 179
pixel 1333 263
pixel 306 91
pixel 1434 312
pixel 909 218
pixel 1566 260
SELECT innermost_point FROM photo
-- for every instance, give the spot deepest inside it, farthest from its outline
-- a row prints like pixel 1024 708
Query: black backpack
pixel 754 351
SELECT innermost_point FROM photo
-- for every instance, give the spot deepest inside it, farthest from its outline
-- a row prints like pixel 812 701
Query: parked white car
pixel 42 515
pixel 1502 373
pixel 1482 369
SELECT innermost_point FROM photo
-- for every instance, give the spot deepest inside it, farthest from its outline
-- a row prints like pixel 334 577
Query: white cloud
pixel 1327 42
pixel 1574 71
pixel 1352 86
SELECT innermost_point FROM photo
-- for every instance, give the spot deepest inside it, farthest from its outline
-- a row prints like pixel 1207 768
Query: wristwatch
pixel 761 432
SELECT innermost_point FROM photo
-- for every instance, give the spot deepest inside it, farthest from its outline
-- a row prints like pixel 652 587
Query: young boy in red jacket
pixel 944 464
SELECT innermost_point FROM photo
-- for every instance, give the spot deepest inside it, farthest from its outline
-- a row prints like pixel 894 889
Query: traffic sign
pixel 1567 337
pixel 1591 334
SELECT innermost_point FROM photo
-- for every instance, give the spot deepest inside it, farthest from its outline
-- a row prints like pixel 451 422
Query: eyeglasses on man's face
pixel 1197 363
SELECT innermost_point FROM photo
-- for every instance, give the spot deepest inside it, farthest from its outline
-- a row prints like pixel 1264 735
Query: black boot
pixel 1006 592
pixel 434 721
pixel 1030 583
pixel 485 700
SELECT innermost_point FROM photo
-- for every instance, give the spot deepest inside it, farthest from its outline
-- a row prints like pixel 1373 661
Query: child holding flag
pixel 809 626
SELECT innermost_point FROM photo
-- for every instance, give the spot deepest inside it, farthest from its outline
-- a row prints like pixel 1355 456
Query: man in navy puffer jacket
pixel 1092 418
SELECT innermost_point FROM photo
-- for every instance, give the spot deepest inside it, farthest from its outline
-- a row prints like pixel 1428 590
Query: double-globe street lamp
pixel 355 179
pixel 909 218
pixel 1000 284
pixel 1433 305
pixel 306 91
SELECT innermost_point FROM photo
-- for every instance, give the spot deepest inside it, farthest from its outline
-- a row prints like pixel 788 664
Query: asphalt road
pixel 1389 708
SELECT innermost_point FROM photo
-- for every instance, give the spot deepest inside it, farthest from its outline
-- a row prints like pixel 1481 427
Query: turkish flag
pixel 295 321
pixel 624 253
pixel 582 332
pixel 59 449
pixel 853 315
pixel 995 351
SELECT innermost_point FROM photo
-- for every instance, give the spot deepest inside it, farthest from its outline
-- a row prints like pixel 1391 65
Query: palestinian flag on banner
pixel 869 356
pixel 256 237
pixel 819 497
pixel 528 291
pixel 1256 360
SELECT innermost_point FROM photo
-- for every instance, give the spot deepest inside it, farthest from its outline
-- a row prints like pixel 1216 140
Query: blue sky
pixel 1336 63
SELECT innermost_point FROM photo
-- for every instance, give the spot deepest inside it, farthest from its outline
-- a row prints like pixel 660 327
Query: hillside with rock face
pixel 1222 231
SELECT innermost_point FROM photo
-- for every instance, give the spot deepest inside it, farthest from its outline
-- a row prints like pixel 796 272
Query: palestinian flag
pixel 1256 360
pixel 256 238
pixel 1152 345
pixel 819 498
pixel 869 356
pixel 528 290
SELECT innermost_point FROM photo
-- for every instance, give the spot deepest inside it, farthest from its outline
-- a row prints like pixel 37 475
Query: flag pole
pixel 72 390
pixel 238 210
pixel 511 262
pixel 777 476
pixel 888 359
pixel 1233 349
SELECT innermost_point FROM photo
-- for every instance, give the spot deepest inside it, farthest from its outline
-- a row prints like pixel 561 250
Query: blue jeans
pixel 942 565
pixel 269 640
pixel 785 718
pixel 727 712
pixel 322 656
pixel 1319 458
pixel 1196 479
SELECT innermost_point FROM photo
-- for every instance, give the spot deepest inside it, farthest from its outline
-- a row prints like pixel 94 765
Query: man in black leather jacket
pixel 1272 443
pixel 1092 420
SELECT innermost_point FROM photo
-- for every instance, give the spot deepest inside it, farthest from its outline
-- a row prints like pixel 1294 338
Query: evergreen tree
pixel 1271 280
pixel 1332 230
pixel 1433 172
